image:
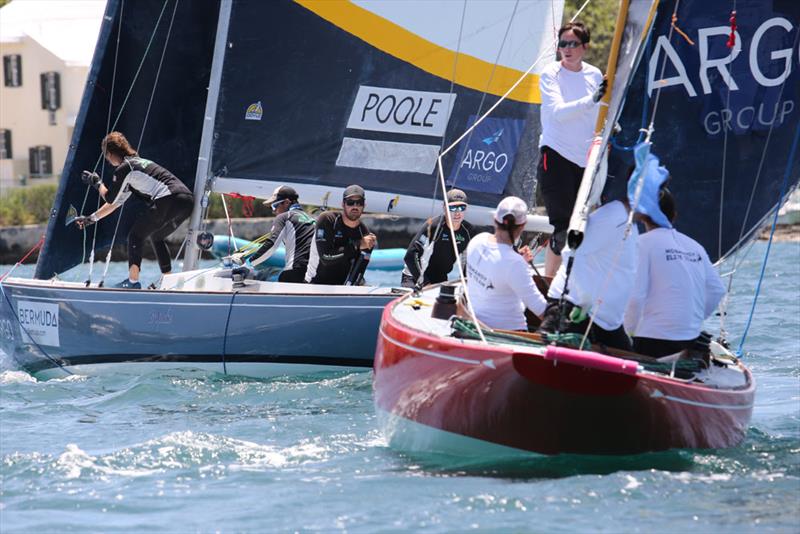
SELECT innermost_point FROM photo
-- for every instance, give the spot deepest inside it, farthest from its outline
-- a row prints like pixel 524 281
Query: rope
pixel 787 172
pixel 22 260
pixel 225 336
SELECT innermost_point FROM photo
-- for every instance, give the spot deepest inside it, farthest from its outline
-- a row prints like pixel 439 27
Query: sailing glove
pixel 91 178
pixel 600 91
pixel 85 220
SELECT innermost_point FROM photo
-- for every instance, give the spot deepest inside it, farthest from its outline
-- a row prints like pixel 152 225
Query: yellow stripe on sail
pixel 396 41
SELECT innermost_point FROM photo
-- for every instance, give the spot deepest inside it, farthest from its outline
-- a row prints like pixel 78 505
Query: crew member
pixel 293 228
pixel 600 282
pixel 676 286
pixel 430 256
pixel 341 239
pixel 170 203
pixel 499 277
pixel 571 90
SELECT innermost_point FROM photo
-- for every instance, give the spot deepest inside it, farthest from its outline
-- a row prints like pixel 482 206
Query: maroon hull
pixel 520 400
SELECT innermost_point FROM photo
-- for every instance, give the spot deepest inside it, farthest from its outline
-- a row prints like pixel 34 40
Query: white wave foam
pixel 16 377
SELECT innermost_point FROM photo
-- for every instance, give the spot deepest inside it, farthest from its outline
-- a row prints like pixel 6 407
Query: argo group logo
pixel 485 162
pixel 254 112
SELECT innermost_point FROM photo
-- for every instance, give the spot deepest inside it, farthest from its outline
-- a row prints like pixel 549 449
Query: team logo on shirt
pixel 320 233
pixel 254 112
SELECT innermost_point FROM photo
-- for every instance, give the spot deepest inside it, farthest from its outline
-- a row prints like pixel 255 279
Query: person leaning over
pixel 170 203
pixel 293 228
pixel 676 286
pixel 430 256
pixel 499 277
pixel 340 238
pixel 571 90
pixel 601 280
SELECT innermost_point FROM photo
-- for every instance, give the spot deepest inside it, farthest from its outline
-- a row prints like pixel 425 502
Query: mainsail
pixel 369 92
pixel 725 111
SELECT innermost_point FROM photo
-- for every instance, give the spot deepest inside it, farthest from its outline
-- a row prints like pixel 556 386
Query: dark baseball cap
pixel 354 191
pixel 282 193
pixel 456 196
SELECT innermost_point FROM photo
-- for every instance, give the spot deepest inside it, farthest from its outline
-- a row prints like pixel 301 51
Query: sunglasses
pixel 354 202
pixel 569 44
pixel 457 207
pixel 275 204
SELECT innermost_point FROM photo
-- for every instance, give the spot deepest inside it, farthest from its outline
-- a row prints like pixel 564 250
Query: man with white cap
pixel 431 255
pixel 292 227
pixel 341 239
pixel 499 277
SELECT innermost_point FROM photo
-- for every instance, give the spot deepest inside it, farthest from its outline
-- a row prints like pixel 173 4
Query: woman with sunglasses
pixel 571 91
pixel 430 256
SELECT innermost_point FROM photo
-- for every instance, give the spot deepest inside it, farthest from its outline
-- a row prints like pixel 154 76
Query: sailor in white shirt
pixel 499 277
pixel 571 91
pixel 600 282
pixel 676 288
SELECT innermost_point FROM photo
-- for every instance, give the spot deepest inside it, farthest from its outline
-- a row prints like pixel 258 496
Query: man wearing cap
pixel 294 228
pixel 499 277
pixel 430 256
pixel 340 240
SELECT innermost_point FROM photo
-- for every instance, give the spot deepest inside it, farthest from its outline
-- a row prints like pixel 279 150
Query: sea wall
pixel 392 232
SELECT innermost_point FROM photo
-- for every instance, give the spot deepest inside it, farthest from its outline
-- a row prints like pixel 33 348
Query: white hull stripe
pixel 656 394
pixel 202 304
pixel 488 363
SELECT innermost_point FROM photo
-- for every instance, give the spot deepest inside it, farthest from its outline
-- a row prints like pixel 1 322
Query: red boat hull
pixel 520 400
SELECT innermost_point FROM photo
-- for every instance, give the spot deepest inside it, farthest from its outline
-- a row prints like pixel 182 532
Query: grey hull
pixel 55 329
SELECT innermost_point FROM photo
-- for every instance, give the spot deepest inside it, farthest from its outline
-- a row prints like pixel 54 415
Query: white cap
pixel 512 206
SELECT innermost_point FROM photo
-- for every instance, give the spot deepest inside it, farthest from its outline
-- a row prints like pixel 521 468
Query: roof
pixel 68 29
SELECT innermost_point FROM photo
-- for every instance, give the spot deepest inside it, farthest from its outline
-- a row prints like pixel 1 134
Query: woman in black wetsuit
pixel 170 202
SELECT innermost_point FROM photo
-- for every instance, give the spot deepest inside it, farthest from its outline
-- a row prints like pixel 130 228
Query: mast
pixel 192 254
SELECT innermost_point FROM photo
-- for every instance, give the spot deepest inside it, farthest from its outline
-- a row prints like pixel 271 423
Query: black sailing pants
pixel 156 223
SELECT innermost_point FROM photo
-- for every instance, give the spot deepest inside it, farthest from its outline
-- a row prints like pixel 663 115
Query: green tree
pixel 600 17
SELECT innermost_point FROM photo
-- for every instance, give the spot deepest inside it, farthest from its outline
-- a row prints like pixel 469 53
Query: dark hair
pixel 509 224
pixel 666 203
pixel 579 29
pixel 117 144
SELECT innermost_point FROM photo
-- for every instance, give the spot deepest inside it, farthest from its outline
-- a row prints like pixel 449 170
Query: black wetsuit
pixel 430 257
pixel 337 247
pixel 169 203
pixel 294 228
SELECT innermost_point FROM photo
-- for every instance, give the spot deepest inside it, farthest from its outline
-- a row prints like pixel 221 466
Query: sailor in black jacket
pixel 170 202
pixel 430 256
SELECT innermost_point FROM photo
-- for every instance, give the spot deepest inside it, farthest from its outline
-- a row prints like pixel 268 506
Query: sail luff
pixel 192 253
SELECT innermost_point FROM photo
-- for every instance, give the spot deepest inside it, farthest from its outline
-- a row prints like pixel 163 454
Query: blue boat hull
pixel 57 330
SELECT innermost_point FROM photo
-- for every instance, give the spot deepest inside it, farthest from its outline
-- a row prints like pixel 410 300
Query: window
pixel 5 144
pixel 51 90
pixel 12 70
pixel 40 160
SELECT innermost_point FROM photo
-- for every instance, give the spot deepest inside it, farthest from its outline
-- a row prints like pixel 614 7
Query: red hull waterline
pixel 437 393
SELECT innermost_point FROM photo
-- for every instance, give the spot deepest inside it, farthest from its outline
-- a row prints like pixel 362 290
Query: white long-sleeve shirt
pixel 676 287
pixel 604 268
pixel 568 112
pixel 500 284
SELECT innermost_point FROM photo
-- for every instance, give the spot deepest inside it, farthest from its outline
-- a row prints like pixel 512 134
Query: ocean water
pixel 193 452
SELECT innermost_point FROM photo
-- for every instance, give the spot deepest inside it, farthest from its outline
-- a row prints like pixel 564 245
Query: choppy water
pixel 193 452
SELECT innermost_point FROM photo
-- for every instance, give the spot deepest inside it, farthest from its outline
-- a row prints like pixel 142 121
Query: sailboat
pixel 241 96
pixel 444 384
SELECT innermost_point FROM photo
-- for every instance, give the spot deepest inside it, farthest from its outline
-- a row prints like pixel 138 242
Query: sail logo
pixel 383 109
pixel 254 112
pixel 39 322
pixel 393 203
pixel 485 162
pixel 751 70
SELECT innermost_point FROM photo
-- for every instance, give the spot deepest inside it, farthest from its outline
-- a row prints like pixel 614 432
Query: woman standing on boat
pixel 571 91
pixel 169 201
pixel 499 277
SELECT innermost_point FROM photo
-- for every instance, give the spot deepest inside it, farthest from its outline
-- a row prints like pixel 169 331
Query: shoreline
pixel 393 232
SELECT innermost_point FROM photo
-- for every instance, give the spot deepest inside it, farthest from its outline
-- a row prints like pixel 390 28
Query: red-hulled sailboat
pixel 435 392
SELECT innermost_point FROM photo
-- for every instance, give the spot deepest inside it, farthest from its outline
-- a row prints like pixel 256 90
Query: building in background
pixel 46 48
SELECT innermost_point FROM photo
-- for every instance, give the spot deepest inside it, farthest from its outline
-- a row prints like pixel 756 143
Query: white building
pixel 47 48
